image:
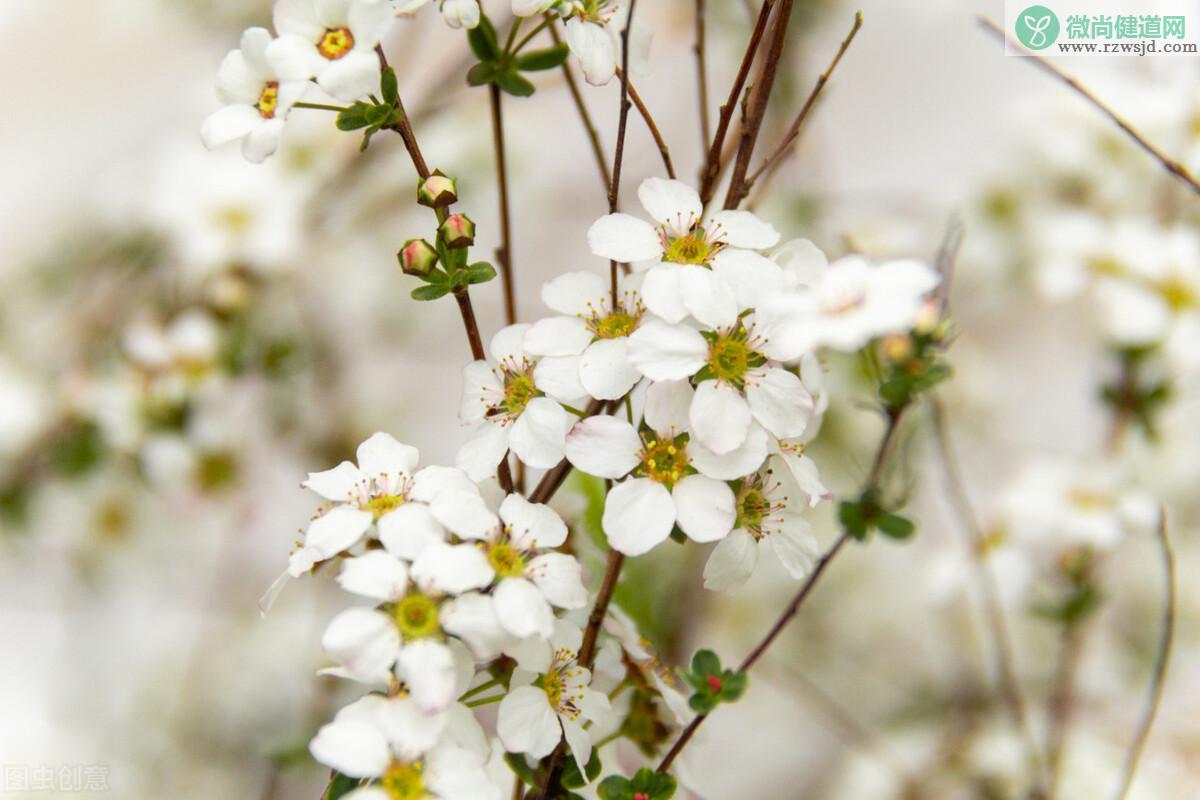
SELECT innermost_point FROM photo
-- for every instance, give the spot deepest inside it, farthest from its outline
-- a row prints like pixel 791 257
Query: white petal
pixel 369 20
pixel 480 456
pixel 624 238
pixel 704 508
pixel 375 574
pixel 662 295
pixel 472 618
pixel 605 370
pixel 293 57
pixel 665 352
pixel 336 530
pixel 803 470
pixel 604 446
pixel 719 416
pixel 575 293
pixel 560 578
pixel 381 454
pixel 527 724
pixel 781 403
pixel 739 462
pixel 558 376
pixel 466 514
pixel 706 297
pixel 670 202
pixel 253 45
pixel 538 435
pixel 787 321
pixel 430 481
pixel 363 642
pixel 262 142
pixel 481 387
pixel 427 667
pixel 522 609
pixel 744 229
pixel 667 406
pixel 451 569
pixel 751 276
pixel 801 261
pixel 228 123
pixel 731 562
pixel 238 81
pixel 407 531
pixel 558 336
pixel 594 48
pixel 795 547
pixel 532 525
pixel 579 741
pixel 410 731
pixel 638 515
pixel 352 747
pixel 334 484
pixel 509 343
pixel 353 76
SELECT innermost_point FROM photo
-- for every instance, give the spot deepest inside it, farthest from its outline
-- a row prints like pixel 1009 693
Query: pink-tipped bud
pixel 458 231
pixel 417 257
pixel 437 191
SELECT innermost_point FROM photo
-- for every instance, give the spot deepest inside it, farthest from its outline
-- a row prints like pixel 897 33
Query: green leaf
pixel 353 118
pixel 77 450
pixel 570 774
pixel 514 84
pixel 481 74
pixel 340 786
pixel 378 115
pixel 704 663
pixel 482 39
pixel 733 686
pixel 537 60
pixel 654 785
pixel 480 272
pixel 853 517
pixel 520 767
pixel 430 292
pixel 702 703
pixel 895 526
pixel 389 86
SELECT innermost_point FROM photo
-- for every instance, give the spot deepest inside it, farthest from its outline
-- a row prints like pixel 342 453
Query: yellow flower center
pixel 506 560
pixel 553 684
pixel 383 504
pixel 665 460
pixel 752 509
pixel 1090 500
pixel 417 617
pixel 404 781
pixel 691 248
pixel 615 325
pixel 731 357
pixel 268 101
pixel 335 43
pixel 518 391
pixel 1177 293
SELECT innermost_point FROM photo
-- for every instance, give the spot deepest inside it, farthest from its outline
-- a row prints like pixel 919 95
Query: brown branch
pixel 758 105
pixel 886 446
pixel 772 162
pixel 702 74
pixel 612 572
pixel 1005 663
pixel 614 189
pixel 1170 165
pixel 504 255
pixel 589 126
pixel 663 150
pixel 1062 700
pixel 712 162
pixel 1161 662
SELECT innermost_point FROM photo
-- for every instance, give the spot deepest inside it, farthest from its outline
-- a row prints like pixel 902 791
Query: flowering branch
pixel 1169 164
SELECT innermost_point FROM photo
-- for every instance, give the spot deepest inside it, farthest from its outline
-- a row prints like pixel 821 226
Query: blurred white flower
pixel 257 99
pixel 594 35
pixel 332 41
pixel 457 13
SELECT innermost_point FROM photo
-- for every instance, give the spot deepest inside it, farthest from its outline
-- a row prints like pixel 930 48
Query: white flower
pixel 706 269
pixel 531 578
pixel 766 520
pixel 736 384
pixel 422 606
pixel 332 41
pixel 850 303
pixel 188 345
pixel 406 753
pixel 257 99
pixel 457 13
pixel 533 719
pixel 594 35
pixel 514 405
pixel 593 330
pixel 383 489
pixel 671 479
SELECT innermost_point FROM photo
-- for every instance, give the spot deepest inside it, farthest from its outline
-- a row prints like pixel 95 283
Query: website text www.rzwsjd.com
pixel 1145 47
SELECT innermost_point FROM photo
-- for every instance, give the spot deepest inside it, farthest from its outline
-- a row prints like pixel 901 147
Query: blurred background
pixel 183 336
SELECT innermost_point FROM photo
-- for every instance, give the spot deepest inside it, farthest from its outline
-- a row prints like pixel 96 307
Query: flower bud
pixel 417 257
pixel 458 231
pixel 437 191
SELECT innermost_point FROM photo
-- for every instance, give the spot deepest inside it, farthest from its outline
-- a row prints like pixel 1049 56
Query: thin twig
pixel 1170 165
pixel 758 105
pixel 1161 662
pixel 505 254
pixel 713 161
pixel 663 150
pixel 886 446
pixel 1062 700
pixel 1005 663
pixel 700 50
pixel 612 572
pixel 614 189
pixel 589 126
pixel 785 148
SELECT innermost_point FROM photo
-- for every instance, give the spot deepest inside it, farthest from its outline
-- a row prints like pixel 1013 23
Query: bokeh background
pixel 183 336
